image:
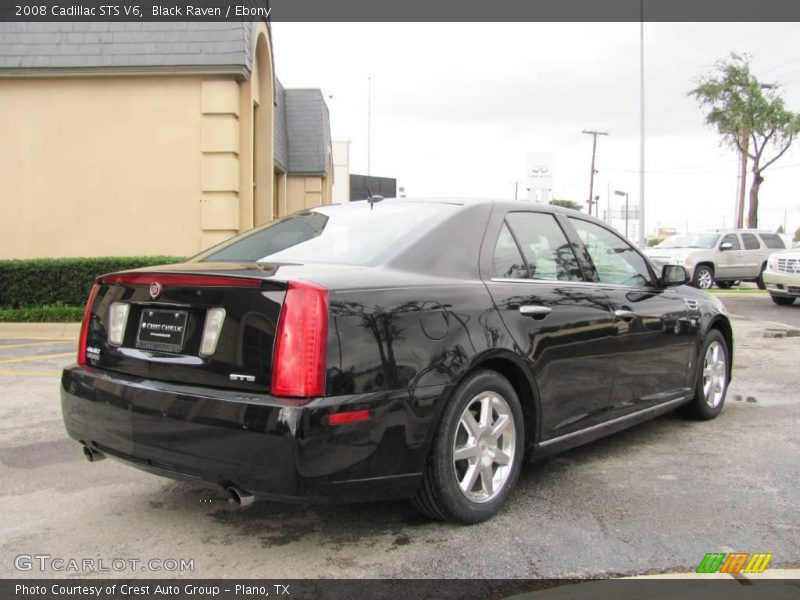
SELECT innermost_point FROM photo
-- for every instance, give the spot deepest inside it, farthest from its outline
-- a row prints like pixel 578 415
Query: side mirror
pixel 672 275
pixel 726 246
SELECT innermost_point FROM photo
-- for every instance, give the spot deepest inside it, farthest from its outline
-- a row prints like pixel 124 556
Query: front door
pixel 652 328
pixel 730 262
pixel 562 325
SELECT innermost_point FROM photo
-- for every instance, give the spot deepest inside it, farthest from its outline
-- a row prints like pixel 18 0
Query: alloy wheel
pixel 483 447
pixel 704 279
pixel 715 374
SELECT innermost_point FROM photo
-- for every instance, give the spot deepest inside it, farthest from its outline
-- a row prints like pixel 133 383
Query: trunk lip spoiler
pixel 181 280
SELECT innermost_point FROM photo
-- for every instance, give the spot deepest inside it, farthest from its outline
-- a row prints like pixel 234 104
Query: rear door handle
pixel 537 312
pixel 625 315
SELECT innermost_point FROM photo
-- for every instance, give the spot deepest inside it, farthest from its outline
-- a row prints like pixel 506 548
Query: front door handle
pixel 537 312
pixel 625 315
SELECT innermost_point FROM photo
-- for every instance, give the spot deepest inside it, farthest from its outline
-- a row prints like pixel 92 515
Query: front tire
pixel 713 375
pixel 477 452
pixel 703 277
pixel 782 300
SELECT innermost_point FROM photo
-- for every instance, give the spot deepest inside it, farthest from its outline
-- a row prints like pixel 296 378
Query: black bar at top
pixel 402 10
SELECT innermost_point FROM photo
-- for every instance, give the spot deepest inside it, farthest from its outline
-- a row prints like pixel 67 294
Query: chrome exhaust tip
pixel 239 498
pixel 92 455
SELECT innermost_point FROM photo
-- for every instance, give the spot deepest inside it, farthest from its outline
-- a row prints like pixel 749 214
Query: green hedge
pixel 62 282
pixel 49 313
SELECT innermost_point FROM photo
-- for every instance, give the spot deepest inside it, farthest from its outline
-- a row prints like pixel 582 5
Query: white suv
pixel 782 276
pixel 724 256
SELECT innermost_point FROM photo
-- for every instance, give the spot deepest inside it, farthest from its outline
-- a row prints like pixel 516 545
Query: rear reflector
pixel 117 320
pixel 181 280
pixel 348 417
pixel 301 342
pixel 215 317
pixel 87 318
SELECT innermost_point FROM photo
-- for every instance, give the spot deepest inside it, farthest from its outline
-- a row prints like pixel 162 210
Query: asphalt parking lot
pixel 759 306
pixel 652 499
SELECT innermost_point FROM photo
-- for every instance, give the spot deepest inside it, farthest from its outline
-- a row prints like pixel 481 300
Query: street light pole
pixel 621 193
pixel 594 135
pixel 642 237
pixel 369 126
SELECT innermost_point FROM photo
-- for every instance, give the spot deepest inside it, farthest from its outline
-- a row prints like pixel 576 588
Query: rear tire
pixel 703 277
pixel 782 300
pixel 477 452
pixel 713 376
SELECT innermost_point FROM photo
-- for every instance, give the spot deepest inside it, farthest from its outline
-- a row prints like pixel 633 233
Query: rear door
pixel 652 329
pixel 753 254
pixel 562 325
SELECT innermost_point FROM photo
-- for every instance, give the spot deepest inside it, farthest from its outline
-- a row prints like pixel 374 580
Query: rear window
pixel 348 234
pixel 772 240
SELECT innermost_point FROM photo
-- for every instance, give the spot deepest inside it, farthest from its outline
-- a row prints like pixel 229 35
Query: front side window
pixel 733 240
pixel 615 260
pixel 547 253
pixel 750 241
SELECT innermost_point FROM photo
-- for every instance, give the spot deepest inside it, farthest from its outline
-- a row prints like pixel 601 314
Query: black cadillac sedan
pixel 395 348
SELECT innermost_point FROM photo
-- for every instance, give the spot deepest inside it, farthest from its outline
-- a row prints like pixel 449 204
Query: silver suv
pixel 724 256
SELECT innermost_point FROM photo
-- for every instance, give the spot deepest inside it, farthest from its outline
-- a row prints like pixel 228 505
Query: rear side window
pixel 733 240
pixel 750 241
pixel 546 253
pixel 772 240
pixel 507 261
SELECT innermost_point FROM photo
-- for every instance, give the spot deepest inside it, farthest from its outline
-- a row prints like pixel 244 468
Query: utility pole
pixel 594 135
pixel 369 125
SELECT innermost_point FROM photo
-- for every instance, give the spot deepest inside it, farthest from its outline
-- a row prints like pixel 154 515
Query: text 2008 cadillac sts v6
pixel 391 349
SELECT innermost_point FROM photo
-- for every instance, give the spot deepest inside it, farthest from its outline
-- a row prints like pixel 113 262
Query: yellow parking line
pixel 6 361
pixel 42 343
pixel 31 373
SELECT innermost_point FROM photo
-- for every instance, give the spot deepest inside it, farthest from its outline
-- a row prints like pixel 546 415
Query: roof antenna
pixel 372 199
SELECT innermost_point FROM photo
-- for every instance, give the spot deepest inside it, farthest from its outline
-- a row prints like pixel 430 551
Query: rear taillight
pixel 87 317
pixel 298 364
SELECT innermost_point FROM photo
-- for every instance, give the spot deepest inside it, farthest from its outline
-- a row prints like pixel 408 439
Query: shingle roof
pixel 120 46
pixel 308 131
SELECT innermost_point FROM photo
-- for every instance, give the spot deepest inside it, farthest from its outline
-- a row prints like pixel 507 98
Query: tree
pixel 750 116
pixel 797 235
pixel 566 204
pixel 780 230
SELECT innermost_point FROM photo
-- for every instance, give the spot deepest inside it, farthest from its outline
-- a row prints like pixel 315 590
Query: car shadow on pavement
pixel 276 524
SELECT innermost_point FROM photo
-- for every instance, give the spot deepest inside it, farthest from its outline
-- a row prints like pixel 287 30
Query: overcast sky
pixel 466 109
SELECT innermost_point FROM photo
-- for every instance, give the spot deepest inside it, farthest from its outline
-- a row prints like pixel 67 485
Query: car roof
pixel 744 230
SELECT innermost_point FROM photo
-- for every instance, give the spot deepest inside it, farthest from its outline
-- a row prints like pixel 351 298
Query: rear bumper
pixel 782 284
pixel 255 442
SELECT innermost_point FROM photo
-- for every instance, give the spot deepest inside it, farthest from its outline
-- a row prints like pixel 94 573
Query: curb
pixel 43 331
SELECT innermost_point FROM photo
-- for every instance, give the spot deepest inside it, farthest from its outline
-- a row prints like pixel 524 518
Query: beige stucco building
pixel 155 138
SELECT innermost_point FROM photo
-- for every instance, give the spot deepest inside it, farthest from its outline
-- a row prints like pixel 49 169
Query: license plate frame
pixel 157 325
